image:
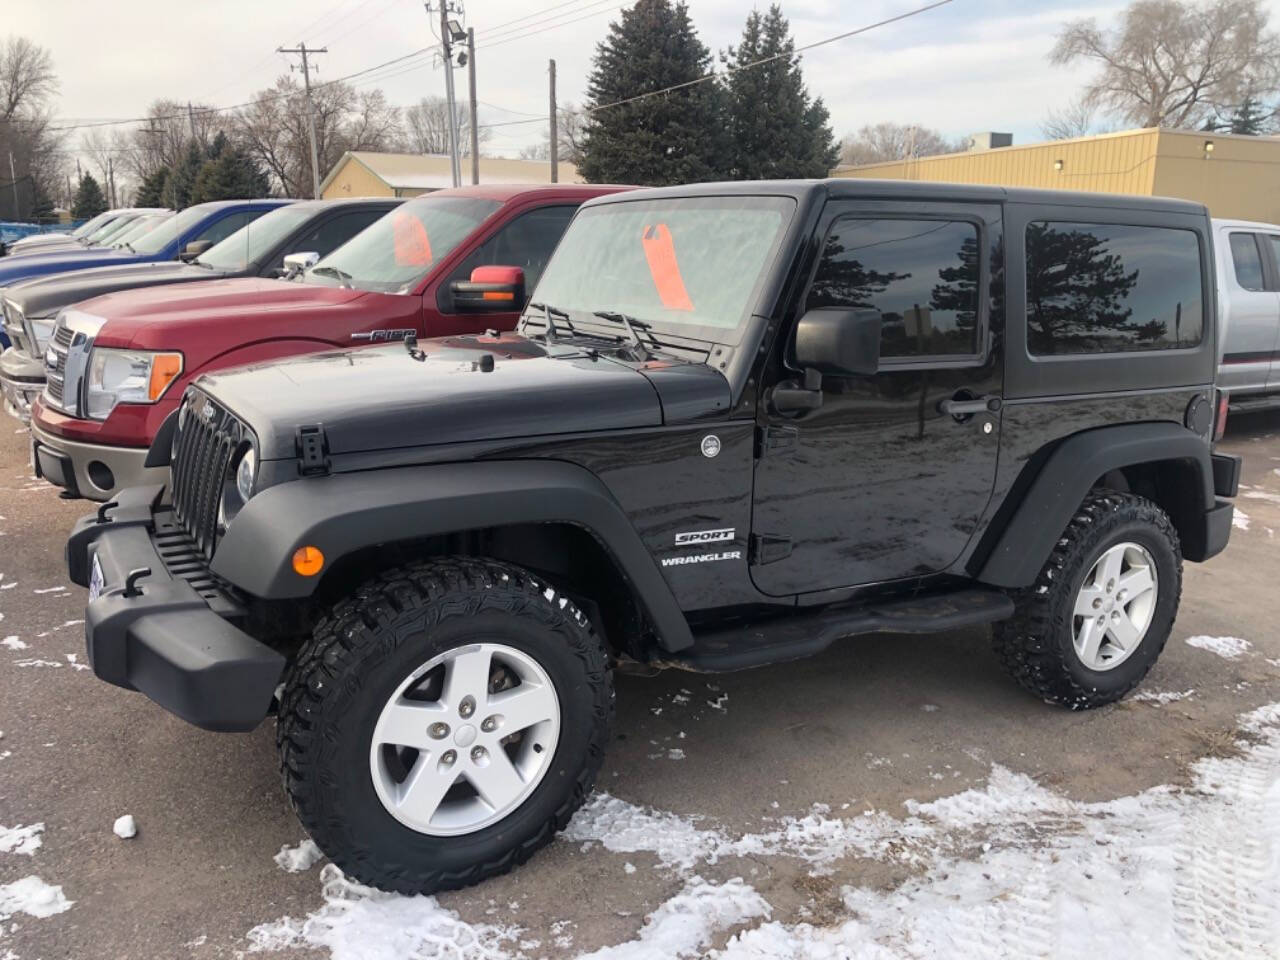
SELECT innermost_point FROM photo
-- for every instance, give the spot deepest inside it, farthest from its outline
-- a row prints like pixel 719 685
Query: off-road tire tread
pixel 1022 642
pixel 357 627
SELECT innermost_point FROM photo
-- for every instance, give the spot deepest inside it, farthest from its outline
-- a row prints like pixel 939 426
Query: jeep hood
pixel 139 317
pixel 46 295
pixel 380 398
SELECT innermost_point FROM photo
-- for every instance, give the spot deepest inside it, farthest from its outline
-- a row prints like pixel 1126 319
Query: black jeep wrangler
pixel 738 423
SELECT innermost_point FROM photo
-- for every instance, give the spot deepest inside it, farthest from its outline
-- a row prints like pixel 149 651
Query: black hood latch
pixel 312 447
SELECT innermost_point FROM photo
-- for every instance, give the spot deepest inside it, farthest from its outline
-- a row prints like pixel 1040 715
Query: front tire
pixel 443 723
pixel 1099 613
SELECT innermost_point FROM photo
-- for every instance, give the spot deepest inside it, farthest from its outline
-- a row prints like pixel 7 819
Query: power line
pixel 616 5
pixel 498 34
pixel 536 13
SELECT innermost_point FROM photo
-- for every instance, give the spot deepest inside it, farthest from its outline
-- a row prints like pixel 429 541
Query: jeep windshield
pixel 689 266
pixel 253 240
pixel 394 254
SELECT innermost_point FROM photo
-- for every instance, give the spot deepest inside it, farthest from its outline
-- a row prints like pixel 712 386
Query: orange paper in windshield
pixel 413 248
pixel 660 251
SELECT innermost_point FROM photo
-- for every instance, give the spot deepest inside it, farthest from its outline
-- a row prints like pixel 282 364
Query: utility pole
pixel 475 131
pixel 191 119
pixel 446 61
pixel 111 181
pixel 555 137
pixel 13 182
pixel 302 49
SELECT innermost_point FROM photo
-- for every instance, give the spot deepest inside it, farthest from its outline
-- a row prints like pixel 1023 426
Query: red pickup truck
pixel 453 261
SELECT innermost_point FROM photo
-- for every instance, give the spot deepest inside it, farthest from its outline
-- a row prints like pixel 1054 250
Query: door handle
pixel 965 406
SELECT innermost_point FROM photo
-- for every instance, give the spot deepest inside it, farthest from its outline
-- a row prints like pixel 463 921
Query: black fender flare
pixel 1013 553
pixel 347 512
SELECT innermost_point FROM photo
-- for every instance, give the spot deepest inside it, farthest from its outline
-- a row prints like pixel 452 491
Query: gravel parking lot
pixel 896 796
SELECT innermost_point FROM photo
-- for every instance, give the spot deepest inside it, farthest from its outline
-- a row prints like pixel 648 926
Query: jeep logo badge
pixel 710 445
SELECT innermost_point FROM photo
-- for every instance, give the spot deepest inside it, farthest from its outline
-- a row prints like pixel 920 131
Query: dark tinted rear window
pixel 1112 288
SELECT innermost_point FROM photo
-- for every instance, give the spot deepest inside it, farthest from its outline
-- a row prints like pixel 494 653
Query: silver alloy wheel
pixel 465 739
pixel 1114 606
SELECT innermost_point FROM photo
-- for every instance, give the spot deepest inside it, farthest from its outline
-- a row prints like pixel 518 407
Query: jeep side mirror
pixel 490 290
pixel 193 250
pixel 296 263
pixel 838 342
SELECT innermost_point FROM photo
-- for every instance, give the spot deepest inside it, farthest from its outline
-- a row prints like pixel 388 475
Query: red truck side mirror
pixel 490 290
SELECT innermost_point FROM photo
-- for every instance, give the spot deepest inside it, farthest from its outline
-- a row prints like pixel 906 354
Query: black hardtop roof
pixel 858 187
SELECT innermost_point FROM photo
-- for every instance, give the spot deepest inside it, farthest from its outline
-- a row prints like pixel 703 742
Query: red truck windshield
pixel 395 253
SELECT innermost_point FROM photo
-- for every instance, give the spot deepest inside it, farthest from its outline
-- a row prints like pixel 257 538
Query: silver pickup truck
pixel 1248 257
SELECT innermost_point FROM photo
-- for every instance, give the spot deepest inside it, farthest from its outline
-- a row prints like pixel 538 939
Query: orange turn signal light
pixel 499 295
pixel 307 561
pixel 164 370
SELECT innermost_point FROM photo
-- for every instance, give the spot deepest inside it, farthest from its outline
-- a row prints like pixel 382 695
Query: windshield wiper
pixel 200 263
pixel 550 315
pixel 341 276
pixel 126 243
pixel 632 325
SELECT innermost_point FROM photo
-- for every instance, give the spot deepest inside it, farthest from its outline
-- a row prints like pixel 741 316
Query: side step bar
pixel 802 635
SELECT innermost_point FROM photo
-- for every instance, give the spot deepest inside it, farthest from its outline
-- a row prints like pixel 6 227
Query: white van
pixel 1248 256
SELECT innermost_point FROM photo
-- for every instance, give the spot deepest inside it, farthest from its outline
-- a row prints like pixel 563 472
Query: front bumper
pixel 94 471
pixel 21 380
pixel 164 638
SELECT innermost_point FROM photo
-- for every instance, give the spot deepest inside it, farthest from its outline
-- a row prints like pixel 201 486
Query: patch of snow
pixel 13 643
pixel 628 867
pixel 626 828
pixel 32 896
pixel 685 924
pixel 675 753
pixel 719 702
pixel 930 708
pixel 1240 519
pixel 8 586
pixel 125 827
pixel 1226 647
pixel 199 941
pixel 50 590
pixel 20 839
pixel 360 923
pixel 1161 697
pixel 73 660
pixel 296 859
pixel 1261 495
pixel 35 662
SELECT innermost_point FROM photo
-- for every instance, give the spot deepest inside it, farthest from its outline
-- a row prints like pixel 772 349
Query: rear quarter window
pixel 1097 288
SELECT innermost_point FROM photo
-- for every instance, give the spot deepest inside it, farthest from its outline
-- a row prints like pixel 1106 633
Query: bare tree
pixel 162 140
pixel 427 127
pixel 1172 63
pixel 1076 119
pixel 882 142
pixel 570 122
pixel 274 129
pixel 28 85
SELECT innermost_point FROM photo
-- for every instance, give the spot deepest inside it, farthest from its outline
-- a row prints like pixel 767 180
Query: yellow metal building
pixel 362 173
pixel 1234 176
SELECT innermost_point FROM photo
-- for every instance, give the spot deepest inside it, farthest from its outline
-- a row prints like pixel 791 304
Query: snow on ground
pixel 1011 869
pixel 1226 647
pixel 1239 519
pixel 31 896
pixel 1161 697
pixel 296 859
pixel 20 839
pixel 13 643
pixel 125 827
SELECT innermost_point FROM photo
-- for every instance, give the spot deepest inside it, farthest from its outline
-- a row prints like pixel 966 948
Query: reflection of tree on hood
pixel 847 282
pixel 1076 288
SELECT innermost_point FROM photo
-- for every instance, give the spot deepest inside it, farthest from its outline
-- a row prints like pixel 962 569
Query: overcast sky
pixel 969 66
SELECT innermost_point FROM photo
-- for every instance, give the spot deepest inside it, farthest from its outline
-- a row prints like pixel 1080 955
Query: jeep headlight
pixel 127 376
pixel 245 472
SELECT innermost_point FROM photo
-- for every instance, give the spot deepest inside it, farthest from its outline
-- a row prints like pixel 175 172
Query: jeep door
pixel 1251 317
pixel 880 482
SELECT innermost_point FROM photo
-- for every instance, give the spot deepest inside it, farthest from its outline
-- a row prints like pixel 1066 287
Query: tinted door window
pixel 1111 288
pixel 1275 245
pixel 1247 259
pixel 217 232
pixel 525 242
pixel 335 231
pixel 921 275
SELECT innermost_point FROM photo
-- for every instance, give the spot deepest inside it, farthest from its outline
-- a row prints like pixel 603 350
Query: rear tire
pixel 379 703
pixel 1059 644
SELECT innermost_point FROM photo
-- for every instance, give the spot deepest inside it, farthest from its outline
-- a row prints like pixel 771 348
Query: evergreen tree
pixel 776 130
pixel 675 137
pixel 182 179
pixel 153 191
pixel 41 204
pixel 1249 118
pixel 230 174
pixel 89 201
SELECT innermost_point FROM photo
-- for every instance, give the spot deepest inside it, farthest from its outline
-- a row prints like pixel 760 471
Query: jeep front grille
pixel 207 439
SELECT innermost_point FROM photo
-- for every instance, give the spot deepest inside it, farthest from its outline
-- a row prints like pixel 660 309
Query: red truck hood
pixel 142 317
